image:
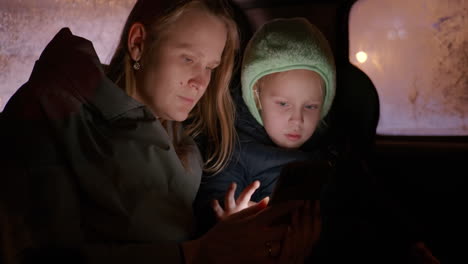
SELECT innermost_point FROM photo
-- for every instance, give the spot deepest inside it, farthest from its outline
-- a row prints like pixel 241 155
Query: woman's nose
pixel 200 80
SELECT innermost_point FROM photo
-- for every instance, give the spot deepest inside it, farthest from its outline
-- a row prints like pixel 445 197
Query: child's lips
pixel 293 137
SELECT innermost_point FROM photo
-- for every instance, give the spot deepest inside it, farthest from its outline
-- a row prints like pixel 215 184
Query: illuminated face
pixel 181 63
pixel 291 103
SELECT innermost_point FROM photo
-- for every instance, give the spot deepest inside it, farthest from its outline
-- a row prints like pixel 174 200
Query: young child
pixel 288 85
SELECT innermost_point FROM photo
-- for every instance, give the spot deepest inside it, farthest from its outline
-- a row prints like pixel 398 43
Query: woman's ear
pixel 136 41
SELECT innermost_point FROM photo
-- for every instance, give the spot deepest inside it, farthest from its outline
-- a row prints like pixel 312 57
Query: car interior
pixel 419 165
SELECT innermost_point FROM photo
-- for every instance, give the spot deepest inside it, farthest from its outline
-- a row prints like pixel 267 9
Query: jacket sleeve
pixel 215 187
pixel 50 209
pixel 45 204
pixel 124 254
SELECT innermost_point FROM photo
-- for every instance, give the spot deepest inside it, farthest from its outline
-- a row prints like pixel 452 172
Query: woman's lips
pixel 293 137
pixel 187 99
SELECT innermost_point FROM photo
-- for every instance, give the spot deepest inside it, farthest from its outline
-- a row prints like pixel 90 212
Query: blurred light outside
pixel 361 56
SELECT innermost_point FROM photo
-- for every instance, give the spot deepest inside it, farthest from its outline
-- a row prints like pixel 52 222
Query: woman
pixel 99 167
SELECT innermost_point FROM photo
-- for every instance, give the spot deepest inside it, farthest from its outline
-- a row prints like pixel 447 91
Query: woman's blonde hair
pixel 213 115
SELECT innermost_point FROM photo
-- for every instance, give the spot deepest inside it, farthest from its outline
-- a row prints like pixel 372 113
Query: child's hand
pixel 233 206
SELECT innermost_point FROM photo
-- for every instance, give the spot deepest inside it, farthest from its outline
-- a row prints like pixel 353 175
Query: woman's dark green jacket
pixel 88 169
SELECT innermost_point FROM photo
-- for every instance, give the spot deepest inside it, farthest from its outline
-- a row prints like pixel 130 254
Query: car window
pixel 416 54
pixel 27 26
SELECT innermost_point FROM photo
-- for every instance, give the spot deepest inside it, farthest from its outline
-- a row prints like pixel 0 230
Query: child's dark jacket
pixel 255 157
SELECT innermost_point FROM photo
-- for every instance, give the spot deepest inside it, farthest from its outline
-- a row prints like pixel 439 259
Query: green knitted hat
pixel 287 44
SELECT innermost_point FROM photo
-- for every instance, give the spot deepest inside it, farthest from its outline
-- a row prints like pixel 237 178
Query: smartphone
pixel 301 180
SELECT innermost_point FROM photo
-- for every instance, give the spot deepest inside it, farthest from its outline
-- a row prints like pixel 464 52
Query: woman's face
pixel 179 69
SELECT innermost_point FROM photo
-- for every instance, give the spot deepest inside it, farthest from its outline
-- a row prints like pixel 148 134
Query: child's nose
pixel 297 116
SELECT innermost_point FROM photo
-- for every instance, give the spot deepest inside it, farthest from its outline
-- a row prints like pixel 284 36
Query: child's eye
pixel 311 107
pixel 187 59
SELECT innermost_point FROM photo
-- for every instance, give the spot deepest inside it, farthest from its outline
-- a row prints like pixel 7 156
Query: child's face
pixel 291 104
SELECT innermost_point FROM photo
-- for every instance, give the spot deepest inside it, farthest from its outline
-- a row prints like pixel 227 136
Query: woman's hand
pixel 249 237
pixel 232 206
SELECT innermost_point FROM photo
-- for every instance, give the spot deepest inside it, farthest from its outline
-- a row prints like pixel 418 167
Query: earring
pixel 136 66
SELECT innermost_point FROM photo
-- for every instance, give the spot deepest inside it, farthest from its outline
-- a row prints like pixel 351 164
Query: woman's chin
pixel 179 116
